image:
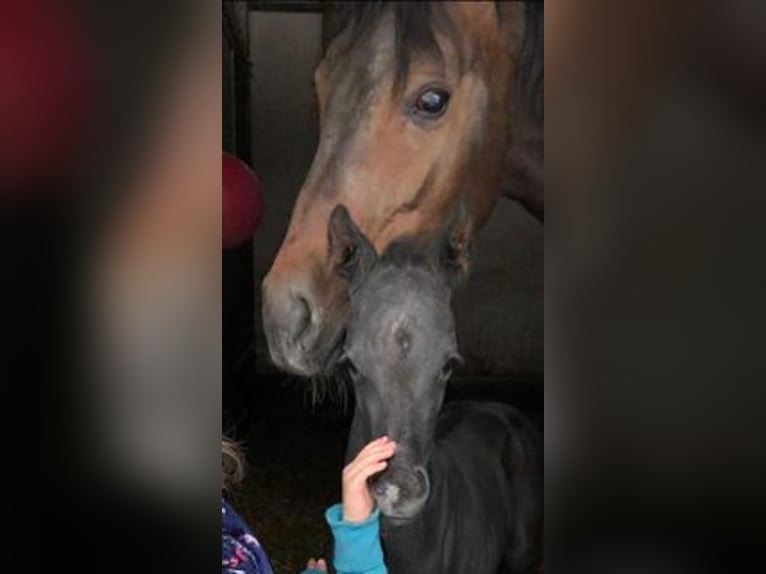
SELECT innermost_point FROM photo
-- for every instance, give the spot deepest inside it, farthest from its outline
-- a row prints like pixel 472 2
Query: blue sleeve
pixel 357 544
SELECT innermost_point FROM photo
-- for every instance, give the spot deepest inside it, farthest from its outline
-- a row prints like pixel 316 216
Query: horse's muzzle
pixel 402 492
pixel 290 326
pixel 287 325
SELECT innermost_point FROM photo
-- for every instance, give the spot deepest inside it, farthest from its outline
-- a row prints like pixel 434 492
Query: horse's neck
pixel 524 177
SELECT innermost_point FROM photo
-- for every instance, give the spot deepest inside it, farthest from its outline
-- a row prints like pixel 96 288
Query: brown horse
pixel 423 106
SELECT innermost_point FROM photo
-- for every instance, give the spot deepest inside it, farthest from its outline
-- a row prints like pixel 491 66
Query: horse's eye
pixel 432 102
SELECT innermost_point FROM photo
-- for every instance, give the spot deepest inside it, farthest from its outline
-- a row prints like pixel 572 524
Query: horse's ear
pixel 350 253
pixel 456 253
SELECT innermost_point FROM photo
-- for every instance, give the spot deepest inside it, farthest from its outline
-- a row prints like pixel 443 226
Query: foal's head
pixel 400 347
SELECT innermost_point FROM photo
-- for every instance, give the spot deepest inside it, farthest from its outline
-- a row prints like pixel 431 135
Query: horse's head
pixel 400 348
pixel 413 118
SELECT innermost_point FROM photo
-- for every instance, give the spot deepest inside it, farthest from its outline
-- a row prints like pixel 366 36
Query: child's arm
pixel 354 524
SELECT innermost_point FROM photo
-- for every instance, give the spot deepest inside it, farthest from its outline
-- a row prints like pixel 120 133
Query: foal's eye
pixel 432 103
pixel 449 365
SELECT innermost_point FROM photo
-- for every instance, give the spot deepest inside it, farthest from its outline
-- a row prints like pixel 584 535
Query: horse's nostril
pixel 301 317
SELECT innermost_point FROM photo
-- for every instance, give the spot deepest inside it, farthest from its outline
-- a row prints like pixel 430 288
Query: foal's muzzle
pixel 402 492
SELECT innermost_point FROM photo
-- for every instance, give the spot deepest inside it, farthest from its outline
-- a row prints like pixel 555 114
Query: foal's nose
pixel 402 493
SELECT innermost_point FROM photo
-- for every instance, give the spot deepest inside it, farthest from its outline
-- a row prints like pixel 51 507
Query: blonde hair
pixel 233 464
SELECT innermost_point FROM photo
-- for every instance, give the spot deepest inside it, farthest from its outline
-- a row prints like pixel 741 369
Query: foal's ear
pixel 456 254
pixel 351 254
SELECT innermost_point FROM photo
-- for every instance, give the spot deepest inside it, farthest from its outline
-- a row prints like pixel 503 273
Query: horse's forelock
pixel 415 27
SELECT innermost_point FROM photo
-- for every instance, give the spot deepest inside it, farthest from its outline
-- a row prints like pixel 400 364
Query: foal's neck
pixel 451 534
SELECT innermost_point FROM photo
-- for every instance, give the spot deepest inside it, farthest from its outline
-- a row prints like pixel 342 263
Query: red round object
pixel 242 205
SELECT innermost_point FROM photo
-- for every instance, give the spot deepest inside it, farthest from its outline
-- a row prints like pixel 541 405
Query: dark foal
pixel 463 493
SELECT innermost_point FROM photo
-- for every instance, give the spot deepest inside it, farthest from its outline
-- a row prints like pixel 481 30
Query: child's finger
pixel 354 469
pixel 372 457
pixel 373 444
pixel 321 564
pixel 366 472
pixel 382 451
pixel 360 473
pixel 363 473
pixel 373 448
pixel 377 442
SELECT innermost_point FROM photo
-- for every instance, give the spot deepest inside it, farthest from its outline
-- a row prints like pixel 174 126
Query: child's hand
pixel 357 500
